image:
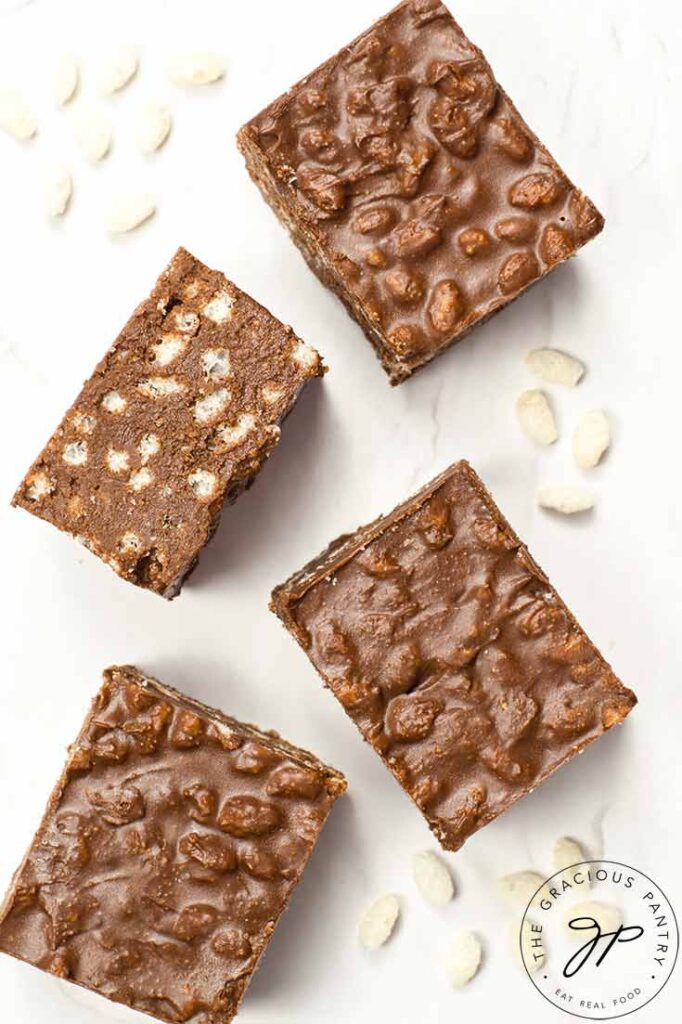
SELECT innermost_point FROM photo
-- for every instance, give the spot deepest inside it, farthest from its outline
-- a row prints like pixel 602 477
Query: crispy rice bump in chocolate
pixel 177 420
pixel 453 654
pixel 413 186
pixel 168 851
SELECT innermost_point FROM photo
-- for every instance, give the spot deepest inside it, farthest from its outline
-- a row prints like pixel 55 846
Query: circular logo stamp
pixel 599 939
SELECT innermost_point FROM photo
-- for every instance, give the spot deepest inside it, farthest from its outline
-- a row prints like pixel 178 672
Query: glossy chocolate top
pixel 167 853
pixel 179 415
pixel 411 171
pixel 453 654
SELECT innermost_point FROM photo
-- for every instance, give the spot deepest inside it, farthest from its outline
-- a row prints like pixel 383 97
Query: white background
pixel 600 83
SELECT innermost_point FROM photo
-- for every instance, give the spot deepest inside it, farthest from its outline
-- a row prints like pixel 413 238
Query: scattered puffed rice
pixel 58 193
pixel 567 852
pixel 153 127
pixel 526 944
pixel 119 69
pixel 555 367
pixel 379 921
pixel 15 116
pixel 608 917
pixel 128 211
pixel 66 78
pixel 564 499
pixel 464 959
pixel 93 135
pixel 433 879
pixel 519 888
pixel 196 68
pixel 591 439
pixel 536 417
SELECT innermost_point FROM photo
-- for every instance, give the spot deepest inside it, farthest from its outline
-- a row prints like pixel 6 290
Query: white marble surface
pixel 600 83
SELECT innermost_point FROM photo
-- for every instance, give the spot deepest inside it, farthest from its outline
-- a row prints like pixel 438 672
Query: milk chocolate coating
pixel 167 853
pixel 453 654
pixel 413 186
pixel 177 419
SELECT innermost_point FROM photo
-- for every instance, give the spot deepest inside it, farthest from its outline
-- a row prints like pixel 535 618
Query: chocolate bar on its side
pixel 453 654
pixel 167 853
pixel 177 419
pixel 412 185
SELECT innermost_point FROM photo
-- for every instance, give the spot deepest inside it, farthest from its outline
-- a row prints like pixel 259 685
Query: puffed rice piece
pixel 378 922
pixel 463 959
pixel 536 417
pixel 555 367
pixel 199 68
pixel 433 879
pixel 16 118
pixel 128 210
pixel 592 438
pixel 565 499
pixel 58 191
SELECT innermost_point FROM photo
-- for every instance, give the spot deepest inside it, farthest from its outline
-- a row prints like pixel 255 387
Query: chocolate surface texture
pixel 177 419
pixel 413 186
pixel 452 653
pixel 167 853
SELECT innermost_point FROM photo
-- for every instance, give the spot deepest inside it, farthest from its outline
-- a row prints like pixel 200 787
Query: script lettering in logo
pixel 599 940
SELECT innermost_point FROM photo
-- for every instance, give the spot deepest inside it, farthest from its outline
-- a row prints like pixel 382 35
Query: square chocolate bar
pixel 177 419
pixel 413 186
pixel 167 853
pixel 453 654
